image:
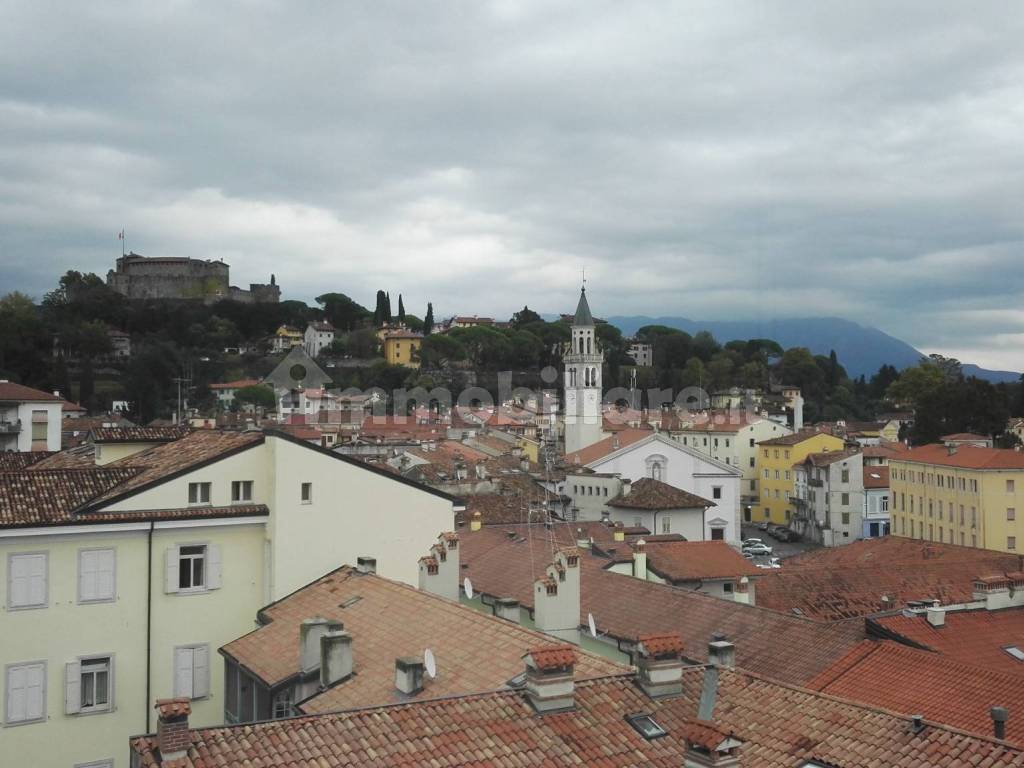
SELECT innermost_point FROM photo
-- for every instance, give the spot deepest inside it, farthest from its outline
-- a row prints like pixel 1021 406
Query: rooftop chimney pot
pixel 936 616
pixel 335 657
pixel 366 564
pixel 172 732
pixel 409 674
pixel 999 718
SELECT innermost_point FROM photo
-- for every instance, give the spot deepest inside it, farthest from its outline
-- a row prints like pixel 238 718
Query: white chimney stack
pixel 507 608
pixel 659 665
pixel 439 571
pixel 336 661
pixel 937 616
pixel 409 674
pixel 310 632
pixel 549 678
pixel 556 604
pixel 640 559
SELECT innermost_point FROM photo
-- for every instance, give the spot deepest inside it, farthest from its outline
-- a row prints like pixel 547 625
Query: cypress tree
pixel 401 309
pixel 428 321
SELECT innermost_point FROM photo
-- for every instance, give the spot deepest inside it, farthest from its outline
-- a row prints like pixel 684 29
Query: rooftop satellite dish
pixel 592 625
pixel 430 663
pixel 467 587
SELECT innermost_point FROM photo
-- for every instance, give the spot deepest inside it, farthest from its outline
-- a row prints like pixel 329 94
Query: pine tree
pixel 428 320
pixel 401 310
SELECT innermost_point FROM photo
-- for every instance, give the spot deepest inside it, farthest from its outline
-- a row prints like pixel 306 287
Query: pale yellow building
pixel 965 495
pixel 776 475
pixel 120 582
pixel 402 348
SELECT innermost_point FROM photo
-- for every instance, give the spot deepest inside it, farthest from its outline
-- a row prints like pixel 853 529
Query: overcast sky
pixel 710 160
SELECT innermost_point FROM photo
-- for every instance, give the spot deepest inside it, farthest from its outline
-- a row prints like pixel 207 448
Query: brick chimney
pixel 439 571
pixel 640 559
pixel 708 746
pixel 507 608
pixel 336 660
pixel 409 674
pixel 556 603
pixel 549 678
pixel 659 665
pixel 172 734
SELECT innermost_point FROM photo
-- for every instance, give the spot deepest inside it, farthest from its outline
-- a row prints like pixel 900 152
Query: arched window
pixel 588 345
pixel 656 470
pixel 657 466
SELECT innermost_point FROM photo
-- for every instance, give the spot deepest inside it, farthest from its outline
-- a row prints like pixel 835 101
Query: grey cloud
pixel 702 159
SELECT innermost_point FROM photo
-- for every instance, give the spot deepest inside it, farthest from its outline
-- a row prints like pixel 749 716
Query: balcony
pixel 814 482
pixel 10 427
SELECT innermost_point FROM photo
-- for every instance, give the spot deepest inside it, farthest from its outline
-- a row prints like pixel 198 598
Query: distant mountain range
pixel 861 349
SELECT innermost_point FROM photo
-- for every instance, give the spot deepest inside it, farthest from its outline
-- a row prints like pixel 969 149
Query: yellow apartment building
pixel 964 495
pixel 402 348
pixel 775 460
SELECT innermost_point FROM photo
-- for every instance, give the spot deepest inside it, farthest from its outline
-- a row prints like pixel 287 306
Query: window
pixel 766 474
pixel 716 492
pixel 844 499
pixel 89 685
pixel 27 580
pixel 1014 651
pixel 307 493
pixel 646 726
pixel 787 475
pixel 787 454
pixel 1010 486
pixel 717 534
pixel 192 671
pixel 198 493
pixel 776 474
pixel 1011 513
pixel 39 426
pixel 193 568
pixel 95 575
pixel 885 503
pixel 751 462
pixel 25 687
pixel 283 701
pixel 666 525
pixel 776 453
pixel 1011 542
pixel 846 518
pixel 241 490
pixel 751 442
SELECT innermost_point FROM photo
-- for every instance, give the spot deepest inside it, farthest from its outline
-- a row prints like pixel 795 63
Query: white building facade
pixel 583 361
pixel 30 419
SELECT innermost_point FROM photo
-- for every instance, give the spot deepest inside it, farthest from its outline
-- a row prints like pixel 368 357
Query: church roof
pixel 583 316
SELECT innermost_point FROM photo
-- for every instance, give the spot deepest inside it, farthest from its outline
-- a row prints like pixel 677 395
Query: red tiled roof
pixel 659 645
pixel 697 560
pixel 965 457
pixel 828 458
pixel 884 450
pixel 903 679
pixel 10 391
pixel 79 457
pixel 704 734
pixel 11 461
pixel 235 384
pixel 876 477
pixel 609 445
pixel 501 565
pixel 171 708
pixel 553 657
pixel 975 637
pixel 138 434
pixel 844 582
pixel 797 437
pixel 956 436
pixel 648 493
pixel 475 652
pixel 780 726
pixel 68 407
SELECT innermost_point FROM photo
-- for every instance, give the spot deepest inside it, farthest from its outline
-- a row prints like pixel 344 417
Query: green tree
pixel 428 320
pixel 24 342
pixel 87 386
pixel 525 316
pixel 61 376
pixel 344 313
pixel 439 350
pixel 362 344
pixel 401 309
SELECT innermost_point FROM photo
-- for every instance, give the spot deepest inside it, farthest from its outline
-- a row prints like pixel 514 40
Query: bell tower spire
pixel 583 361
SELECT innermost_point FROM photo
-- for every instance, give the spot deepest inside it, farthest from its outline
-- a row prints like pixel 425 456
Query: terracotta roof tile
pixel 780 726
pixel 844 582
pixel 648 493
pixel 659 645
pixel 609 445
pixel 696 560
pixel 138 434
pixel 239 384
pixel 18 392
pixel 11 461
pixel 976 637
pixel 475 652
pixel 965 457
pixel 903 679
pixel 553 657
pixel 503 565
pixel 876 477
pixel 797 437
pixel 173 708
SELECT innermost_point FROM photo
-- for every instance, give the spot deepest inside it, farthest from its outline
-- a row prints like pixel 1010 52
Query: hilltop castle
pixel 140 277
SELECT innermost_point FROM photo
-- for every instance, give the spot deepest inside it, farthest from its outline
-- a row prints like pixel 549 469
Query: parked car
pixel 773 530
pixel 762 526
pixel 773 562
pixel 747 542
pixel 788 534
pixel 758 549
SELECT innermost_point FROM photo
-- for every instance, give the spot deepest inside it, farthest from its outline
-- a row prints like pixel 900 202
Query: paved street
pixel 779 548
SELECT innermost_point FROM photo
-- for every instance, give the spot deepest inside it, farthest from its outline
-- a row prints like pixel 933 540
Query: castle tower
pixel 583 360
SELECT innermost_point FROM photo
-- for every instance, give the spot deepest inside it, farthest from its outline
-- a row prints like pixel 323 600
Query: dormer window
pixel 646 726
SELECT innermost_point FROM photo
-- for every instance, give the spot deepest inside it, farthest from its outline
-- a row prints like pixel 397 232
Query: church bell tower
pixel 583 360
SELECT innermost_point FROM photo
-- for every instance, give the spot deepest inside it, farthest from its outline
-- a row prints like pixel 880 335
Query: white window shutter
pixel 19 580
pixel 38 579
pixel 34 689
pixel 183 672
pixel 72 687
pixel 214 569
pixel 105 574
pixel 87 575
pixel 17 694
pixel 200 672
pixel 171 577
